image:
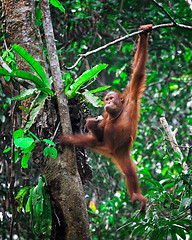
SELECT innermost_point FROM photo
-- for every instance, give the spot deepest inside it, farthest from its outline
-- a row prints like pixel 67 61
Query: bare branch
pixel 172 139
pixel 189 2
pixel 169 16
pixel 165 25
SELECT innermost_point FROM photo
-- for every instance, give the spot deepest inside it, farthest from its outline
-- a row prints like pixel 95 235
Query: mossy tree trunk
pixel 67 196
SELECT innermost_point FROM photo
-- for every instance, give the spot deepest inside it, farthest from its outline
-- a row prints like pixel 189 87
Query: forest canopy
pixel 57 62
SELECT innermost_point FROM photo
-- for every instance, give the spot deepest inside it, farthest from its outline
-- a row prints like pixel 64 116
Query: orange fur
pixel 114 136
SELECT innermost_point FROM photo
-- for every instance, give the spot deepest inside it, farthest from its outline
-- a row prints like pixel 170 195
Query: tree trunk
pixel 67 196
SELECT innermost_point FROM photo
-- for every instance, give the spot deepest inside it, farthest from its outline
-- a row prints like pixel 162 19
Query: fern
pixel 94 100
pixel 100 89
pixel 25 94
pixel 35 65
pixel 86 76
pixel 36 106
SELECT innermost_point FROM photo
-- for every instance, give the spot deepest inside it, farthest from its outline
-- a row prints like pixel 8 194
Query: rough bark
pixel 22 30
pixel 68 202
pixel 69 195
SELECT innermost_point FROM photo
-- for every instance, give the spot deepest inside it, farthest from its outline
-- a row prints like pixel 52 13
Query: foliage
pixel 25 142
pixel 57 4
pixel 41 81
pixel 38 205
pixel 105 219
pixel 87 25
pixel 168 214
pixel 71 89
pixel 86 76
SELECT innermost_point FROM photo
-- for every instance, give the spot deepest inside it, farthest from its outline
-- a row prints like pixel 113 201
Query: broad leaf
pixel 39 101
pixel 57 4
pixel 49 142
pixel 29 149
pixel 35 65
pixel 23 142
pixel 100 89
pixel 86 76
pixel 25 75
pixel 22 192
pixel 50 151
pixel 28 76
pixel 20 197
pixel 95 101
pixel 18 133
pixel 25 94
pixel 39 206
pixel 28 206
pixel 7 150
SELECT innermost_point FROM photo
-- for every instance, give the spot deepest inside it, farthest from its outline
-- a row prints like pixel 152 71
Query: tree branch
pixel 169 16
pixel 55 69
pixel 165 25
pixel 189 2
pixel 172 139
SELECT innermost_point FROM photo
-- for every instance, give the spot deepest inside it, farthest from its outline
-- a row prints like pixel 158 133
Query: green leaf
pixel 24 160
pixel 46 90
pixel 16 155
pixel 34 201
pixel 24 142
pixel 47 216
pixel 28 206
pixel 111 220
pixel 40 187
pixel 173 87
pixel 30 148
pixel 49 142
pixel 57 4
pixel 39 101
pixel 169 185
pixel 18 133
pixel 145 172
pixel 94 100
pixel 116 81
pixel 7 150
pixel 164 170
pixel 50 151
pixel 25 75
pixel 33 135
pixel 53 152
pixel 29 76
pixel 20 197
pixel 39 196
pixel 86 76
pixel 139 229
pixel 24 109
pixel 22 192
pixel 35 66
pixel 100 89
pixel 179 230
pixel 177 155
pixel 68 81
pixel 25 94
